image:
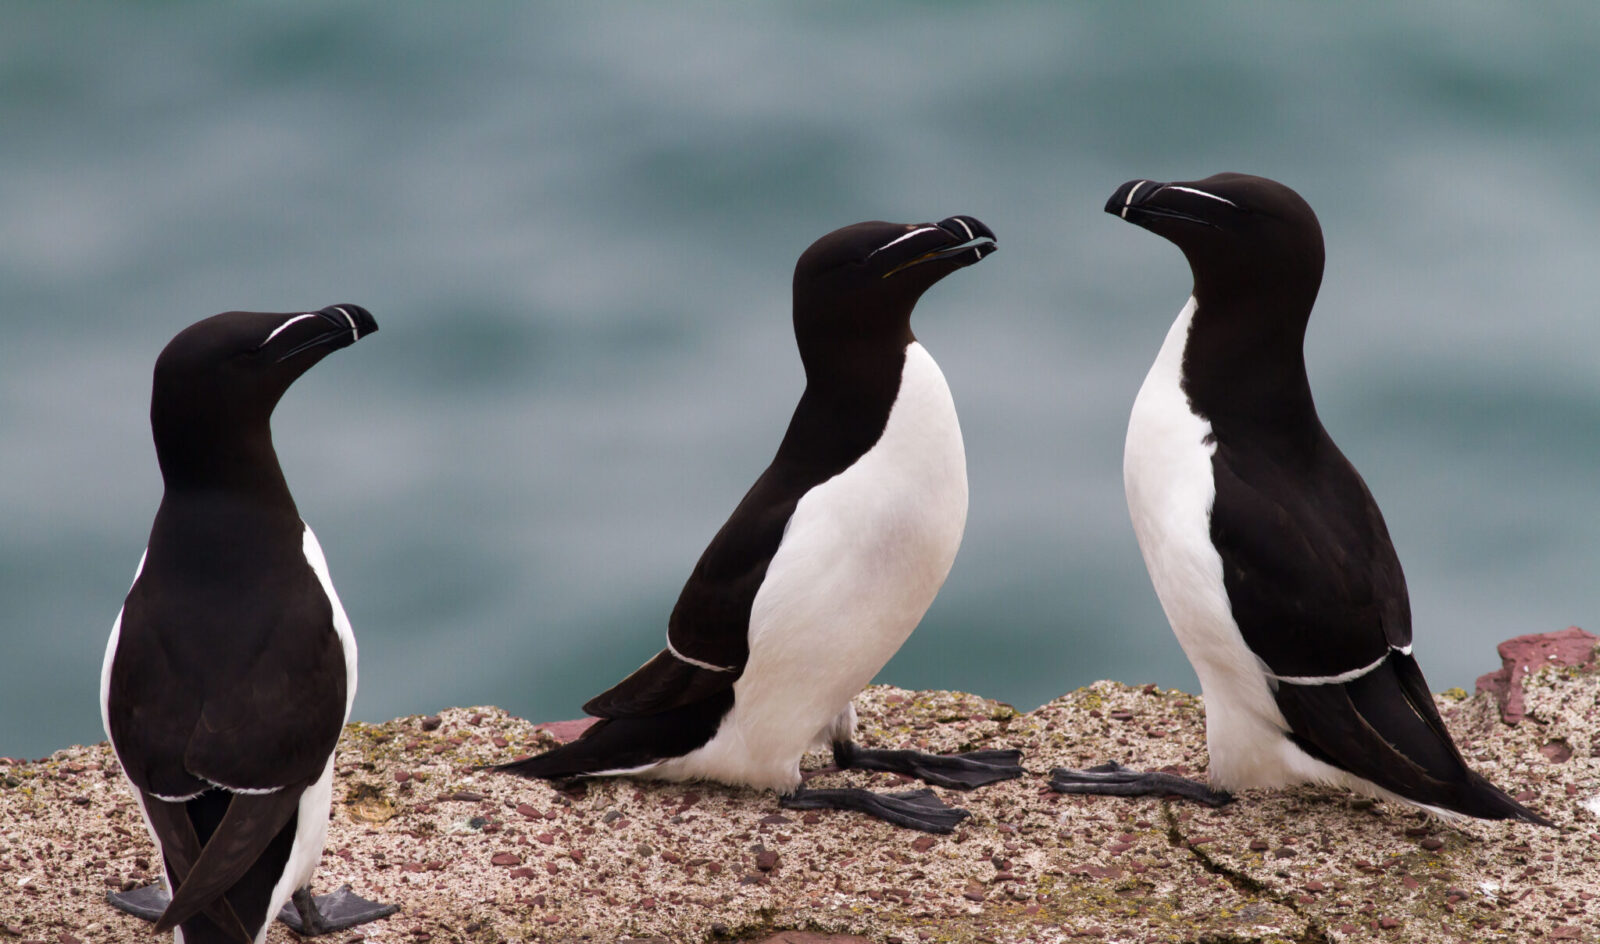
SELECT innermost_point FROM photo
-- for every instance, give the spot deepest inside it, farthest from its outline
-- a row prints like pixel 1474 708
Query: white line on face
pixel 1201 193
pixel 901 239
pixel 309 314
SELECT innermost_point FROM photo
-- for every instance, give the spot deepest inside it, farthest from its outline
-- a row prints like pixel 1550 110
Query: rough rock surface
pixel 480 857
pixel 1523 654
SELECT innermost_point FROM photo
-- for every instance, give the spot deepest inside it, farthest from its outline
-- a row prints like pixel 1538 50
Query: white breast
pixel 1166 471
pixel 861 561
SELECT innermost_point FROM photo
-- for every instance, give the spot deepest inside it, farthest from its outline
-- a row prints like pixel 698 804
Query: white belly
pixel 862 559
pixel 1166 472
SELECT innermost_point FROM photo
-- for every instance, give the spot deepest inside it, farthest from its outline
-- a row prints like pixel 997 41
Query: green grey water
pixel 576 225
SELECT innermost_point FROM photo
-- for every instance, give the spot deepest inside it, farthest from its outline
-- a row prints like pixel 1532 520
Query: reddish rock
pixel 565 731
pixel 922 843
pixel 431 723
pixel 1523 654
pixel 505 858
pixel 1557 752
pixel 767 861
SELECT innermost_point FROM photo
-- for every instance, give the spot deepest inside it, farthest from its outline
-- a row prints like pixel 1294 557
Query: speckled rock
pixel 1571 647
pixel 480 857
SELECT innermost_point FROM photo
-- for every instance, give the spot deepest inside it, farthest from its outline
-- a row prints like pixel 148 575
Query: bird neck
pixel 846 402
pixel 237 459
pixel 1244 361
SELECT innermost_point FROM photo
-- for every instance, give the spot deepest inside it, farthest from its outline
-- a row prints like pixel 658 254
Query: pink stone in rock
pixel 1557 752
pixel 1523 654
pixel 505 858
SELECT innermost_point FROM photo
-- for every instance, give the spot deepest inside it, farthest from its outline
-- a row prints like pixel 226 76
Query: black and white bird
pixel 231 668
pixel 827 564
pixel 1269 555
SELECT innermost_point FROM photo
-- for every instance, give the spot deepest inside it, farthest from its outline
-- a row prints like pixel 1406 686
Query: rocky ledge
pixel 479 857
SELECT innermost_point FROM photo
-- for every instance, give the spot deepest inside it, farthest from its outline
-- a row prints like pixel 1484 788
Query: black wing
pixel 678 697
pixel 709 630
pixel 225 676
pixel 1319 596
pixel 1316 590
pixel 675 702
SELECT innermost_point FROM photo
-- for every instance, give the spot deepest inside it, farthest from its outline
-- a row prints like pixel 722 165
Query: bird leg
pixel 343 909
pixel 1113 779
pixel 956 771
pixel 913 809
pixel 146 901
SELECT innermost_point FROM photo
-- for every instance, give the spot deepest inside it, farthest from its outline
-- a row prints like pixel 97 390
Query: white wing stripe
pixel 1339 679
pixel 695 662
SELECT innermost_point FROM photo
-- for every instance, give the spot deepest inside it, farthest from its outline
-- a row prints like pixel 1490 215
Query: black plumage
pixel 1311 577
pixel 227 680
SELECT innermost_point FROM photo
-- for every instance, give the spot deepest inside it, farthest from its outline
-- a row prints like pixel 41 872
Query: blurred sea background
pixel 576 225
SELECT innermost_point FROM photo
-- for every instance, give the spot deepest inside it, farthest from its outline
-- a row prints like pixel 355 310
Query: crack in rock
pixel 1247 885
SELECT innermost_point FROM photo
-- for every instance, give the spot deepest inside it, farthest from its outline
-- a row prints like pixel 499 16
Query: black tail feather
pixel 1385 728
pixel 619 744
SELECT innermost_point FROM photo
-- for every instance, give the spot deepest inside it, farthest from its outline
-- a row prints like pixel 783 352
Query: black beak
pixel 1145 201
pixel 342 326
pixel 969 241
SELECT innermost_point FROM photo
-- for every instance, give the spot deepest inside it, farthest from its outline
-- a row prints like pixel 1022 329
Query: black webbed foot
pixel 913 809
pixel 1113 779
pixel 146 901
pixel 956 771
pixel 342 909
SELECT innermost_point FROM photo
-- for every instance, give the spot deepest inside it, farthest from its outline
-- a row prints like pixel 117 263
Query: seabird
pixel 826 565
pixel 1268 552
pixel 231 668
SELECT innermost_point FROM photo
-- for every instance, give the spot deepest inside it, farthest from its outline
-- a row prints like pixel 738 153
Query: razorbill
pixel 1269 555
pixel 825 566
pixel 231 667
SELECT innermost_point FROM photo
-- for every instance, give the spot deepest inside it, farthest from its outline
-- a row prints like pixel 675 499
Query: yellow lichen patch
pixel 366 803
